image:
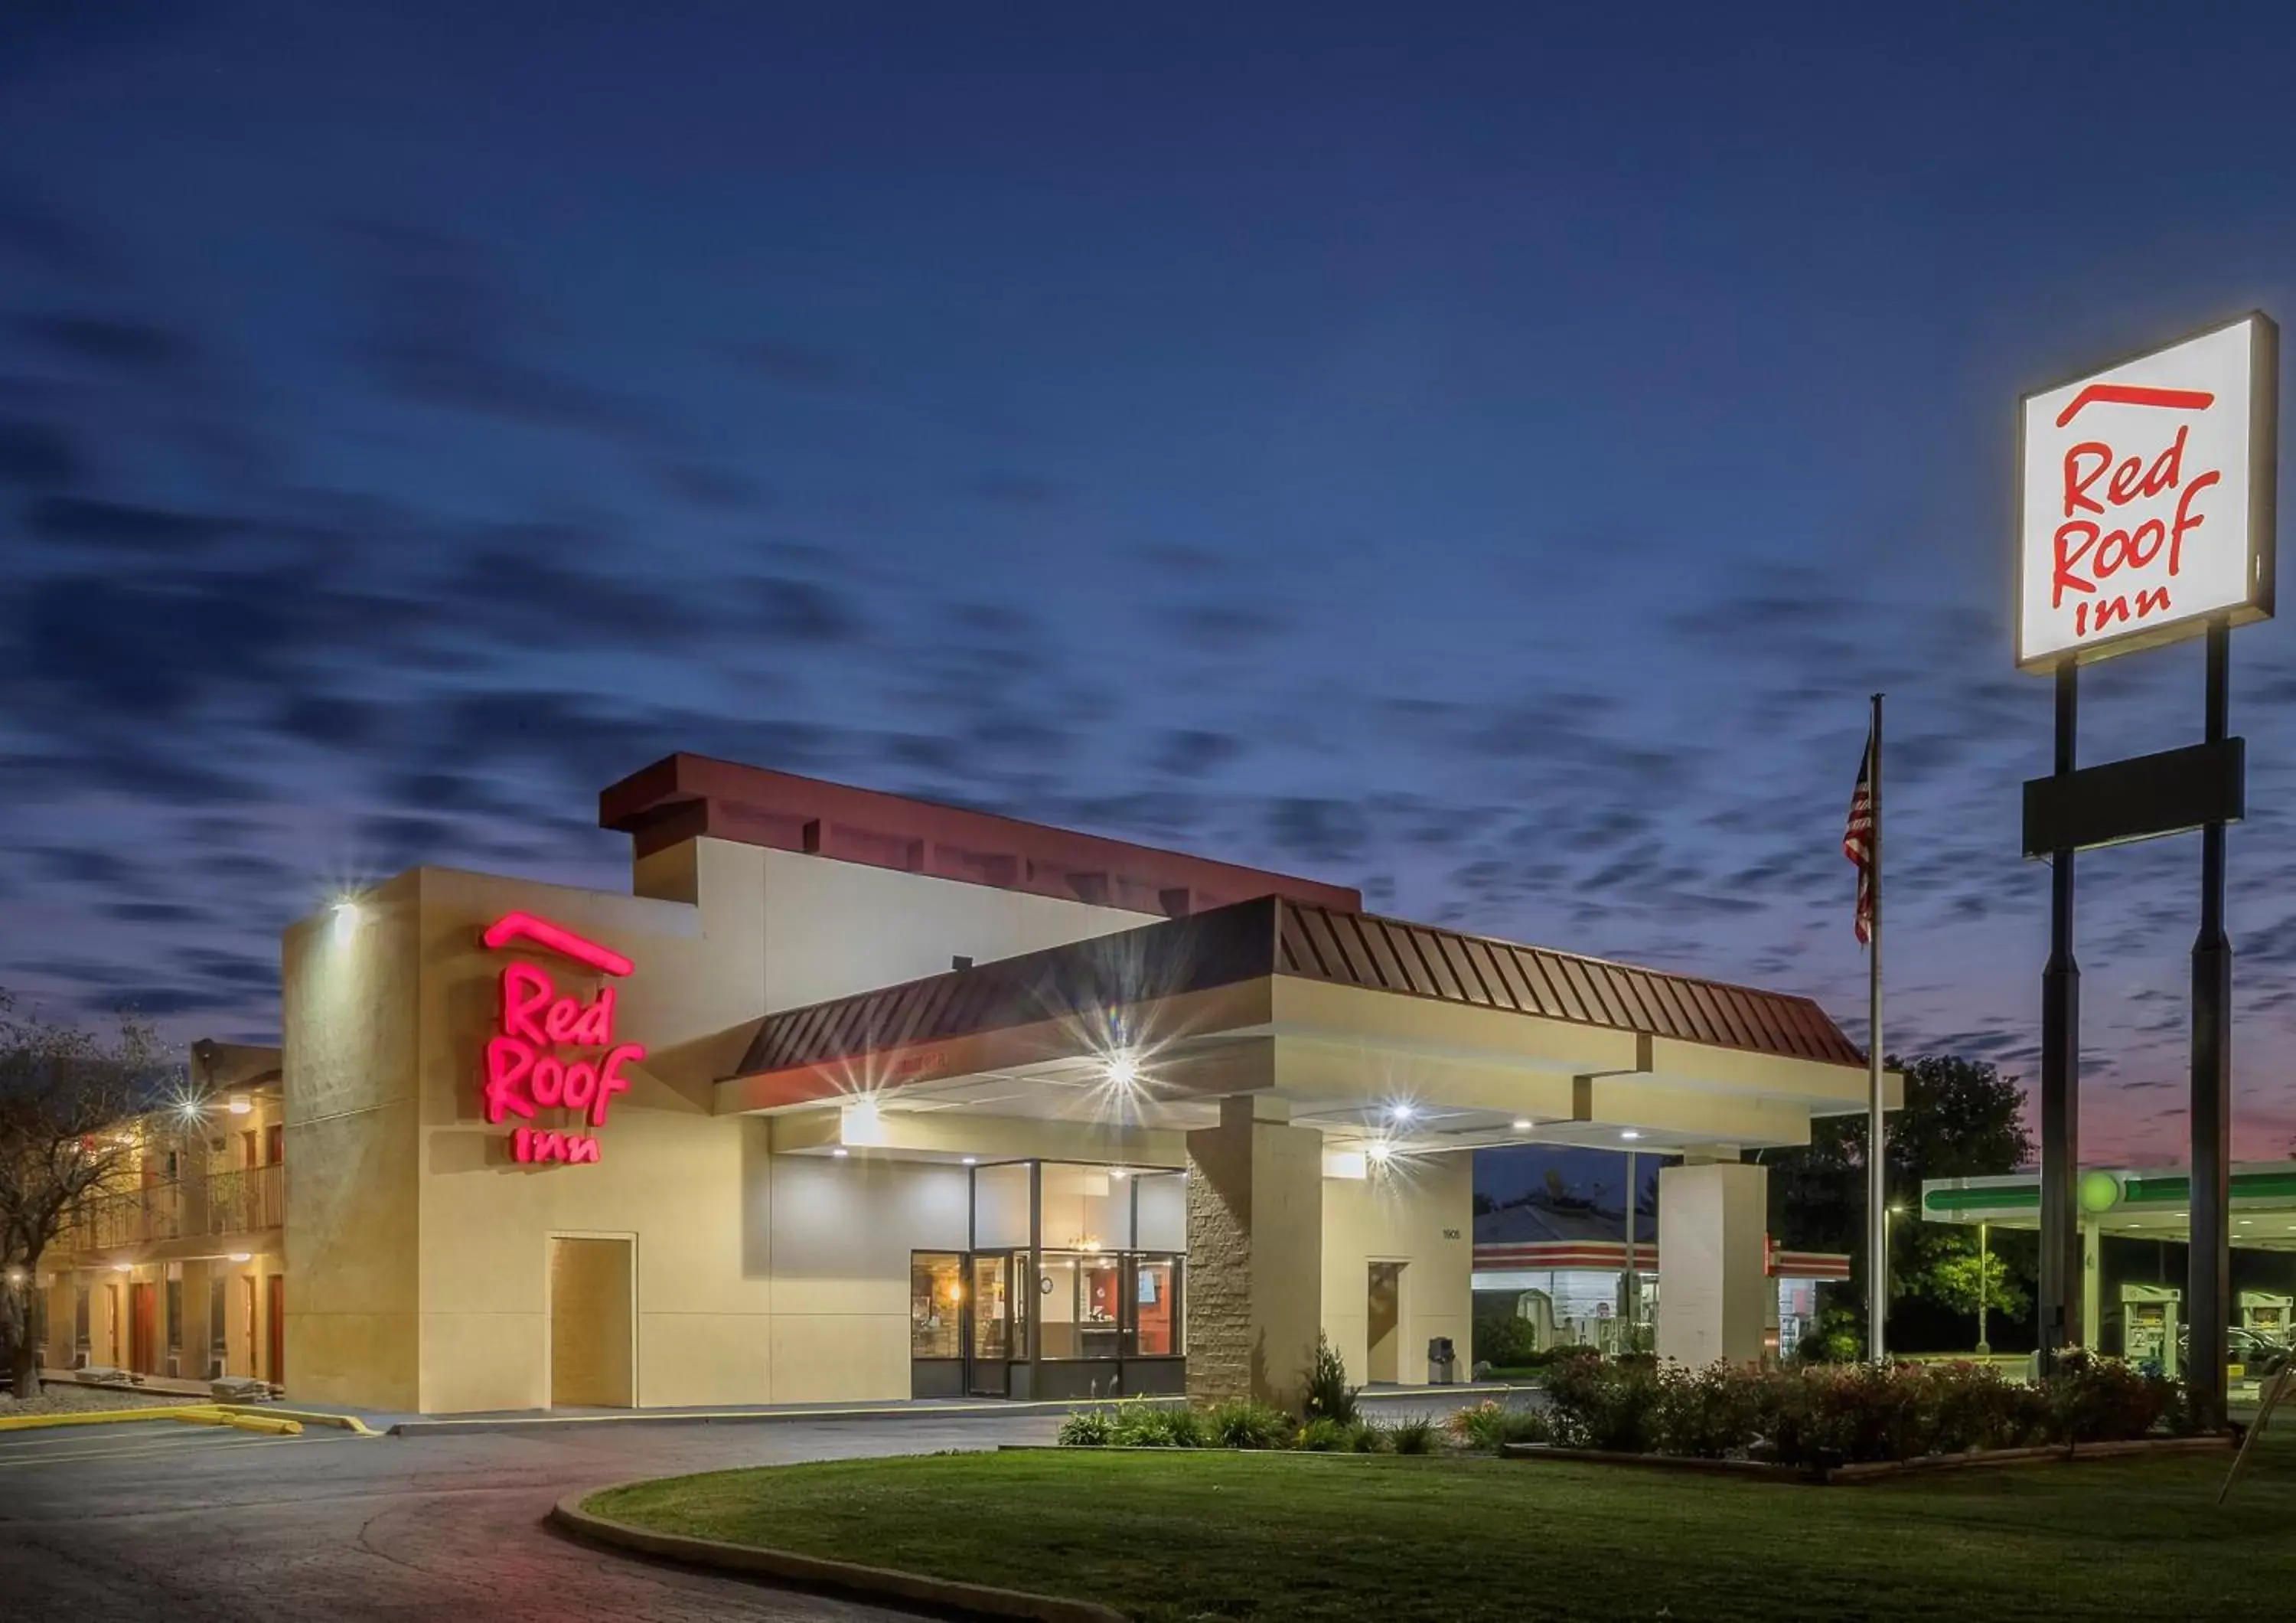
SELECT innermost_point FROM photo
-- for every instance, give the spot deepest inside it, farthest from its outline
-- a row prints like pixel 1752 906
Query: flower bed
pixel 1827 1416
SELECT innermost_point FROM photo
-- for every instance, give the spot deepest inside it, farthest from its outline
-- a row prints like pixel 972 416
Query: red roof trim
pixel 682 796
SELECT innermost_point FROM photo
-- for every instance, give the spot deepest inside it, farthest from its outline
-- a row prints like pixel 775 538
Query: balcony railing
pixel 222 1203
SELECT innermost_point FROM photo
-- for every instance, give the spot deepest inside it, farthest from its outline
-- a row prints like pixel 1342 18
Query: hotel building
pixel 851 1096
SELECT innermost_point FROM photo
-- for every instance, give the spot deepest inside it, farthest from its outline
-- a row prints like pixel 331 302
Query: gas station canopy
pixel 2139 1203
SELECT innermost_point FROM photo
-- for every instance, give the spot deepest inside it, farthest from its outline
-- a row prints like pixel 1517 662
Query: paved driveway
pixel 168 1520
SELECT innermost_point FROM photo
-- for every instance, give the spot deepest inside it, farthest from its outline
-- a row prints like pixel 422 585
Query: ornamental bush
pixel 1415 1434
pixel 1611 1404
pixel 1505 1342
pixel 1243 1423
pixel 1826 1414
pixel 1490 1425
pixel 1325 1393
pixel 1138 1425
pixel 2096 1400
pixel 1087 1429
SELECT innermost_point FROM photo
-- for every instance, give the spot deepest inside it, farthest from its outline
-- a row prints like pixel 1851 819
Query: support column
pixel 2207 1284
pixel 2092 1258
pixel 1713 1263
pixel 1255 1253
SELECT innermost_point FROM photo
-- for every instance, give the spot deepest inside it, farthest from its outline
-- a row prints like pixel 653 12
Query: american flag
pixel 1858 841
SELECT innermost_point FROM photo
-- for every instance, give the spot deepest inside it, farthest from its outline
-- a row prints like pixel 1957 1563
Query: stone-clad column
pixel 1713 1263
pixel 1255 1252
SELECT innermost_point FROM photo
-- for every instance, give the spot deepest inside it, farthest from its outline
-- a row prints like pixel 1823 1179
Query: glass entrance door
pixel 989 1349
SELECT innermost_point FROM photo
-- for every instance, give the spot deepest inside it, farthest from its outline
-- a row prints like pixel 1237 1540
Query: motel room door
pixel 274 1328
pixel 143 1340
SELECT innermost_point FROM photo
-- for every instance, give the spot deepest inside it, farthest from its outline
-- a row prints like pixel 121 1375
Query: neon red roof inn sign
pixel 2145 496
pixel 551 1052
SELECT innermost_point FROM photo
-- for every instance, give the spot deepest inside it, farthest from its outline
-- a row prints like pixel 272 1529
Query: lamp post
pixel 1881 1285
pixel 1984 1267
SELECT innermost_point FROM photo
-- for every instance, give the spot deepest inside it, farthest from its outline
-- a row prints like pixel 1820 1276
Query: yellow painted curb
pixel 271 1425
pixel 344 1422
pixel 202 1415
pixel 99 1417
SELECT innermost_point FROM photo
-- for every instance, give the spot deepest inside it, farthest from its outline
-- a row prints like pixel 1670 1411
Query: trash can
pixel 1442 1363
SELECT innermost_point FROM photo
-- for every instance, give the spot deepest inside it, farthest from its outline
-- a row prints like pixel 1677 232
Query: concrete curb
pixel 102 1417
pixel 271 1425
pixel 309 1417
pixel 1870 1471
pixel 991 1409
pixel 815 1572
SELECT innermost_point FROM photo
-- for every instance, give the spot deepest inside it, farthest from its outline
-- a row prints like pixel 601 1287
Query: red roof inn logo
pixel 2145 505
pixel 552 1051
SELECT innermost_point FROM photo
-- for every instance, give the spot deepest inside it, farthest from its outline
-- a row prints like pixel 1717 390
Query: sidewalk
pixel 913 1408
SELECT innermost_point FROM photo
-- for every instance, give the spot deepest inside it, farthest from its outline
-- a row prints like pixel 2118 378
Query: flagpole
pixel 1877 1217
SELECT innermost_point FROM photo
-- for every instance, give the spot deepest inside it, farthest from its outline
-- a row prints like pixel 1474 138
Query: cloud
pixel 37 455
pixel 133 347
pixel 805 368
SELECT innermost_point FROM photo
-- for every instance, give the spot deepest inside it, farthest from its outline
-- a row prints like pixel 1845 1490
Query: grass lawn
pixel 1173 1538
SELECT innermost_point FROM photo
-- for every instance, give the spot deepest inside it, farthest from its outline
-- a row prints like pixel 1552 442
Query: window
pixel 1156 1299
pixel 174 1315
pixel 936 1305
pixel 218 1331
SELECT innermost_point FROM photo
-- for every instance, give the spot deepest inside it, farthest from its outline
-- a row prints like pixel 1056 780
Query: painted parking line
pixel 155 1446
pixel 21 1442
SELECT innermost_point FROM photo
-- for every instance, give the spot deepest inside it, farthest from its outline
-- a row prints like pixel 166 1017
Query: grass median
pixel 1273 1537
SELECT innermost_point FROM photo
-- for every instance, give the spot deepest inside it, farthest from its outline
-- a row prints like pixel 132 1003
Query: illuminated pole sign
pixel 552 1050
pixel 2146 498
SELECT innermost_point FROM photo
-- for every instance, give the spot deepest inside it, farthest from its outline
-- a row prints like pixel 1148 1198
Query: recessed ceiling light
pixel 840 1152
pixel 1123 1070
pixel 1629 1132
pixel 1522 1123
pixel 1378 1151
pixel 972 1160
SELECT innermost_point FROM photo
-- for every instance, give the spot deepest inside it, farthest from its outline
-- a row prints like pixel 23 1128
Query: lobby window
pixel 936 1304
pixel 1156 1299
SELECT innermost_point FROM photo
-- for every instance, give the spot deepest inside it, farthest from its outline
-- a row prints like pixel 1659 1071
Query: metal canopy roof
pixel 2144 1203
pixel 1272 936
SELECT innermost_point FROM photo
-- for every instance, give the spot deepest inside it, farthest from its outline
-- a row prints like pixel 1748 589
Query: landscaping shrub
pixel 1087 1429
pixel 1140 1426
pixel 1606 1403
pixel 1505 1342
pixel 1415 1434
pixel 2097 1400
pixel 1326 1393
pixel 1244 1423
pixel 1971 1406
pixel 1325 1435
pixel 1489 1424
pixel 1709 1413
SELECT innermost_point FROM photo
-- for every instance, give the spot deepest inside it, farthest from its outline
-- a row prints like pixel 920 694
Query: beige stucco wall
pixel 1419 1213
pixel 421 1251
pixel 349 1043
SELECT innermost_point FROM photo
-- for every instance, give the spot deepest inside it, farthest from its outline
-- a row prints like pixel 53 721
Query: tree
pixel 1961 1118
pixel 64 1095
pixel 1952 1282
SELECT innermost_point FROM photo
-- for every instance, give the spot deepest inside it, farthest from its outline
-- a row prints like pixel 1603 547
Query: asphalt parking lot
pixel 152 1519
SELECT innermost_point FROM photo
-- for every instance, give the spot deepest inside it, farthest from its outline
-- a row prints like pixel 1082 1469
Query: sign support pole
pixel 2060 1304
pixel 2210 1264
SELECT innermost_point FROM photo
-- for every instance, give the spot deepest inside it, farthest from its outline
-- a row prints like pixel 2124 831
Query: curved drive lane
pixel 188 1523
